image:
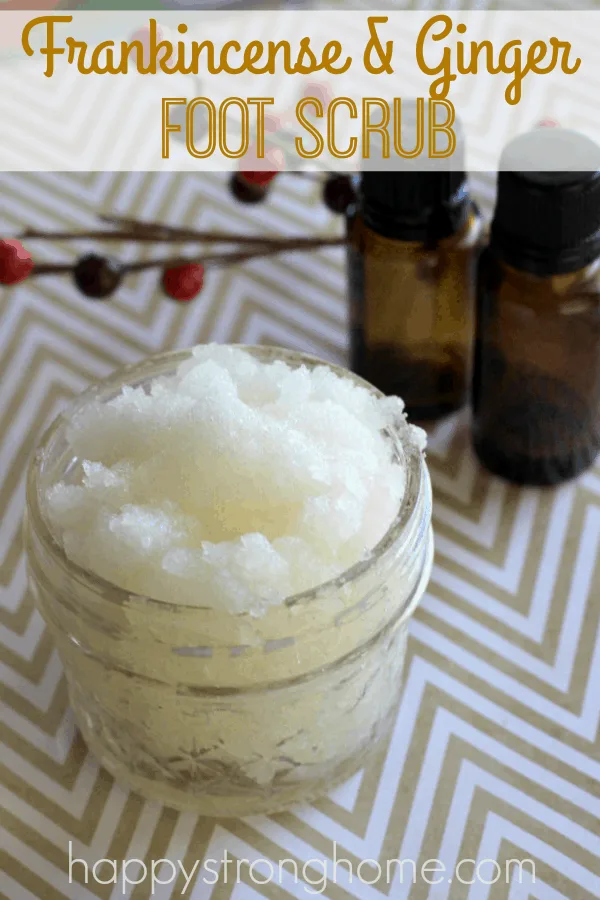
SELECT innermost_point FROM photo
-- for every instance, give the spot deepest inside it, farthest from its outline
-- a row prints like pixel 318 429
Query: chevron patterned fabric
pixel 496 750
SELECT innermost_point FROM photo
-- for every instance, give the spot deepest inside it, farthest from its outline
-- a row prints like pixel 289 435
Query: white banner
pixel 274 90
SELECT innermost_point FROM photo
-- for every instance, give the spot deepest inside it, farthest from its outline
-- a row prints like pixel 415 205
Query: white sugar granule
pixel 232 483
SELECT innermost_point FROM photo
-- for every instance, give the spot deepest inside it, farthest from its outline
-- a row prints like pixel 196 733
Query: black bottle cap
pixel 548 222
pixel 415 206
pixel 415 200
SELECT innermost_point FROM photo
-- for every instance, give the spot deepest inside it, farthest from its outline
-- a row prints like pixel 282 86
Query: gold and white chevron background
pixel 496 752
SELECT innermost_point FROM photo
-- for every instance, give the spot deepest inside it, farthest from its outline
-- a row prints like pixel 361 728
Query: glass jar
pixel 230 715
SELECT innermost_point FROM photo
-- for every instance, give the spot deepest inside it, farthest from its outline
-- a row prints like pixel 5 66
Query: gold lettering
pixel 230 45
pixel 331 53
pixel 440 87
pixel 513 92
pixel 49 50
pixel 319 142
pixel 464 58
pixel 108 68
pixel 305 50
pixel 368 127
pixel 536 54
pixel 169 128
pixel 76 49
pixel 253 52
pixel 139 57
pixel 212 128
pixel 331 145
pixel 420 136
pixel 245 128
pixel 197 49
pixel 375 44
pixel 260 103
pixel 471 67
pixel 564 63
pixel 164 56
pixel 445 127
pixel 273 51
pixel 155 52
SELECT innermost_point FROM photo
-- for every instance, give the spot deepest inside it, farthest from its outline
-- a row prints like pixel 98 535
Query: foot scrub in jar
pixel 227 545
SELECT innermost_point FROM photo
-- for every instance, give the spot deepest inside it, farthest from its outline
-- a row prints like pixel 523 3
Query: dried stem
pixel 237 256
pixel 51 269
pixel 158 231
pixel 31 234
pixel 210 259
pixel 149 232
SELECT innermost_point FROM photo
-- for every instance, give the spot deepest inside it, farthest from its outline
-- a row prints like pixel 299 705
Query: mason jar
pixel 230 714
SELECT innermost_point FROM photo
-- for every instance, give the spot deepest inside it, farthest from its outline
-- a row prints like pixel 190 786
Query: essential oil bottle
pixel 536 379
pixel 412 237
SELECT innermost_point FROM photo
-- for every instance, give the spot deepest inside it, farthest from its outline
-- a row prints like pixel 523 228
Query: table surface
pixel 496 751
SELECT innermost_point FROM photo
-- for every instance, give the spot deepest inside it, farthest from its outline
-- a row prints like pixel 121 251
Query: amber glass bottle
pixel 536 379
pixel 412 237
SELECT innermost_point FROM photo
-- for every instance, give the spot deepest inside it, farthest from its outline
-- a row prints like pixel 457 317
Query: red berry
pixel 15 262
pixel 258 178
pixel 265 169
pixel 183 283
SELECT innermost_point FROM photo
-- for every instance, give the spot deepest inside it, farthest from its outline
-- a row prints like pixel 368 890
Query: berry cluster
pixel 251 187
pixel 98 277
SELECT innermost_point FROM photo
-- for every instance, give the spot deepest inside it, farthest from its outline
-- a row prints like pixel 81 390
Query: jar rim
pixel 166 363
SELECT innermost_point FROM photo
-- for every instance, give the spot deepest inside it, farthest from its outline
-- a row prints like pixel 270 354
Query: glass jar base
pixel 211 789
pixel 229 806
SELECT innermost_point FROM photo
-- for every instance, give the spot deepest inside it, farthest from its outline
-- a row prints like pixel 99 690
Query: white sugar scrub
pixel 233 483
pixel 227 545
